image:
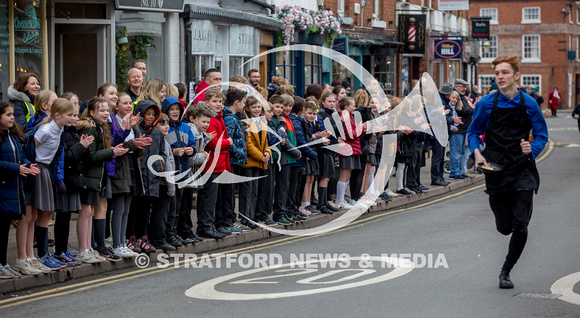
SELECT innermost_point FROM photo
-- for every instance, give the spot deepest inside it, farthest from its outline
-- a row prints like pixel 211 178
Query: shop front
pixel 227 40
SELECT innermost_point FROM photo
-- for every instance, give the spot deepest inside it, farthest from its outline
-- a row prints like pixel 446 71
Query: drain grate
pixel 536 295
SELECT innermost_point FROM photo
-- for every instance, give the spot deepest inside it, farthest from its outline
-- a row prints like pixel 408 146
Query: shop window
pixel 285 67
pixel 152 26
pixel 312 69
pixel 201 63
pixel 384 72
pixel 236 67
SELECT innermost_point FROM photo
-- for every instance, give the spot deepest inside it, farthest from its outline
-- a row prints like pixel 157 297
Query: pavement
pixel 86 270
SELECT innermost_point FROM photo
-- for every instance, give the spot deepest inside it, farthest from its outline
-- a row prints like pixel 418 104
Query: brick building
pixel 544 34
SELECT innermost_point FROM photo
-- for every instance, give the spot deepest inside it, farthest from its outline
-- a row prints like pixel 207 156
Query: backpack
pixel 30 144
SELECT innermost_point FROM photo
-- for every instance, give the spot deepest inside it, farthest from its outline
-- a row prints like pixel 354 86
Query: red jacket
pixel 553 101
pixel 353 135
pixel 223 162
pixel 200 97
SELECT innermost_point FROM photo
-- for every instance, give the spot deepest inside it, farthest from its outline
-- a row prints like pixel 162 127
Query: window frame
pixel 527 76
pixel 340 6
pixel 492 21
pixel 531 21
pixel 480 78
pixel 534 59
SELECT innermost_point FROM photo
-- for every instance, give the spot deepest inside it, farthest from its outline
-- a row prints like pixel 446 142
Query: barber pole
pixel 411 34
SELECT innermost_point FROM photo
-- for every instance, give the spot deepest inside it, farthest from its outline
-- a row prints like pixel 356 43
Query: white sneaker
pixel 128 250
pixel 122 252
pixel 96 255
pixel 25 267
pixel 87 257
pixel 344 205
pixel 36 263
pixel 109 240
pixel 390 193
pixel 367 201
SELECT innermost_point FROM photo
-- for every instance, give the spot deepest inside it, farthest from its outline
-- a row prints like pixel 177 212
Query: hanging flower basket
pixel 306 22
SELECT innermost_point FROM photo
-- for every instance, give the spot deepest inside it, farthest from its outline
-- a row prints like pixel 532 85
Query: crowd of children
pixel 136 167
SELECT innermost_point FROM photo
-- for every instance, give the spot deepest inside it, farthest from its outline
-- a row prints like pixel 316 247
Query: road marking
pixel 207 290
pixel 565 287
pixel 73 288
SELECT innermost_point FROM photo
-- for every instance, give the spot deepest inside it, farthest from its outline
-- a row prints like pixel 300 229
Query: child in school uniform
pixel 288 155
pixel 93 122
pixel 373 157
pixel 350 158
pixel 258 157
pixel 14 166
pixel 327 156
pixel 266 184
pixel 126 179
pixel 210 201
pixel 141 206
pixel 298 167
pixel 40 197
pixel 312 134
pixel 75 153
pixel 235 99
pixel 182 142
pixel 160 209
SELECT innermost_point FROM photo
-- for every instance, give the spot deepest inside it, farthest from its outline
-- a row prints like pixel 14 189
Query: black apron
pixel 506 128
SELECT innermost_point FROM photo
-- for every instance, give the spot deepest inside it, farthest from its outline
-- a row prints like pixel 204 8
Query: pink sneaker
pixel 304 211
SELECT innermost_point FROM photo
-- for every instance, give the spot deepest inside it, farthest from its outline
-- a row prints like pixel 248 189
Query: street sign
pixel 452 5
pixel 448 49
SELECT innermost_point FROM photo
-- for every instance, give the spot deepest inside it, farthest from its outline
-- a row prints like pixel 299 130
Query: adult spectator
pixel 135 83
pixel 141 65
pixel 460 86
pixel 326 88
pixel 254 79
pixel 237 78
pixel 474 93
pixel 554 100
pixel 438 150
pixel 535 93
pixel 347 87
pixel 22 94
pixel 212 77
pixel 181 93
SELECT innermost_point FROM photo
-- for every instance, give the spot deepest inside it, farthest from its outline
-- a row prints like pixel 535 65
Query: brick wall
pixel 554 31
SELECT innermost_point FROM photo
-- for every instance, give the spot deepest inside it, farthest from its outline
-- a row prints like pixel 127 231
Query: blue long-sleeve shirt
pixel 483 112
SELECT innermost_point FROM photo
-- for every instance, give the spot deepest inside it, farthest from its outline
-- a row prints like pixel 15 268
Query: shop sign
pixel 453 5
pixel 411 31
pixel 243 40
pixel 151 5
pixel 448 49
pixel 480 28
pixel 202 36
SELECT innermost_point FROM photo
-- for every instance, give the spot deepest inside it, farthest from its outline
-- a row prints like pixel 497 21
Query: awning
pixel 216 13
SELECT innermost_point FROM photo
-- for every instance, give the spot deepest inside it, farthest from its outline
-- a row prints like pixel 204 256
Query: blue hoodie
pixel 180 134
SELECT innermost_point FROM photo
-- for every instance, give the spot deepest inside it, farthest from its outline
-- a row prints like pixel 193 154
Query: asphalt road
pixel 364 269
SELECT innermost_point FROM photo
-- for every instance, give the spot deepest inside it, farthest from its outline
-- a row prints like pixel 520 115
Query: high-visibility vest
pixel 30 108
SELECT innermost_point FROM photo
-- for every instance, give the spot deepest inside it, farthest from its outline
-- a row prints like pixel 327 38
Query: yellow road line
pixel 54 292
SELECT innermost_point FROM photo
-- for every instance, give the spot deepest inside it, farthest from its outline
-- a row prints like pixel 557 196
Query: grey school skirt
pixel 68 202
pixel 40 192
pixel 311 168
pixel 374 159
pixel 326 166
pixel 350 162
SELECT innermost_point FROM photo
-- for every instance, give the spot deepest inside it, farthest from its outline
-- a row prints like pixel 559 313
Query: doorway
pixel 79 59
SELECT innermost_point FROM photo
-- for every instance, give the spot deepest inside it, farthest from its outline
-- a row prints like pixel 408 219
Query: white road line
pixel 565 287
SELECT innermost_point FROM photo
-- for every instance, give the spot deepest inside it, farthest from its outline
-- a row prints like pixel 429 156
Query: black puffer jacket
pixel 74 156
